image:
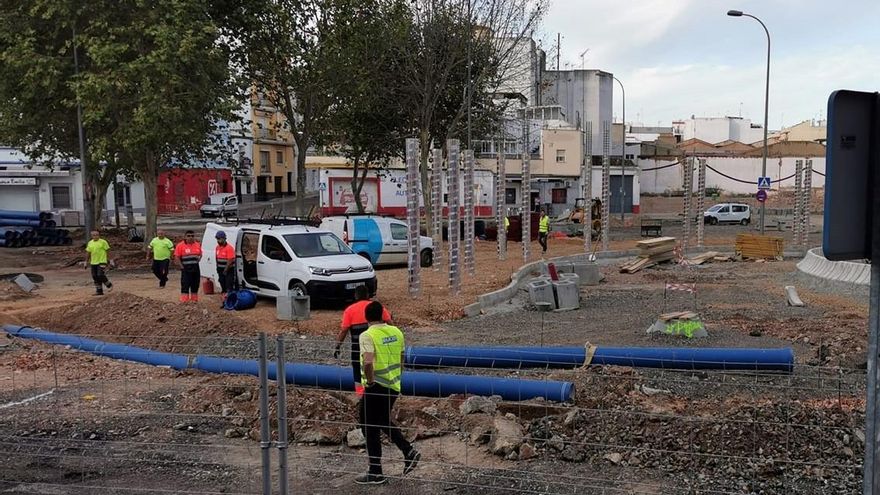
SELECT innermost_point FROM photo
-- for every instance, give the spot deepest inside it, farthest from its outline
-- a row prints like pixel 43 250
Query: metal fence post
pixel 281 383
pixel 265 439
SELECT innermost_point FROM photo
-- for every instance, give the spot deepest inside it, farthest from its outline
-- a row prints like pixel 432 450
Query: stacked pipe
pixel 31 228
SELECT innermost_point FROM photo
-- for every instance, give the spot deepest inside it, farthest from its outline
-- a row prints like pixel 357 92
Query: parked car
pixel 728 213
pixel 381 239
pixel 277 259
pixel 220 205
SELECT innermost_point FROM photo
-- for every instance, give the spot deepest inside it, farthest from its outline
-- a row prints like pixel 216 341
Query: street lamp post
pixel 739 13
pixel 622 150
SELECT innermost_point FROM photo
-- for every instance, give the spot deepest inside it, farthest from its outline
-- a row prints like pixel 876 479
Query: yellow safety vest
pixel 544 226
pixel 506 223
pixel 388 345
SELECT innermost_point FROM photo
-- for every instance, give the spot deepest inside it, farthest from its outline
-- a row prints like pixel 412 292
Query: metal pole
pixel 265 438
pixel 526 216
pixel 622 152
pixel 587 182
pixel 766 114
pixel 281 382
pixel 88 197
pixel 412 216
pixel 452 178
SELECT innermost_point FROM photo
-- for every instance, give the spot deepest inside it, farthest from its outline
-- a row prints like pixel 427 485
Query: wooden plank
pixel 655 242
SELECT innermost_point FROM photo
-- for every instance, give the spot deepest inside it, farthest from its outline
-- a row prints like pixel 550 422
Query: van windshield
pixel 715 208
pixel 309 245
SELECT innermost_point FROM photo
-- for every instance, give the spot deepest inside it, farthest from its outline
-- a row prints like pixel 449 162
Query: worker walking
pixel 97 260
pixel 160 249
pixel 543 230
pixel 354 322
pixel 188 253
pixel 224 253
pixel 381 348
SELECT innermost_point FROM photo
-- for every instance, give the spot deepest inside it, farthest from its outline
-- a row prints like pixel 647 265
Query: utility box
pixel 292 308
pixel 541 292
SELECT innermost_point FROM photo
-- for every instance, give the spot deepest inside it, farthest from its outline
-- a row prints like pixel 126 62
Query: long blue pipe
pixel 313 375
pixel 685 358
pixel 25 215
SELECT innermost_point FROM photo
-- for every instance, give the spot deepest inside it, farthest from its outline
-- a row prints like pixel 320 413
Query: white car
pixel 728 213
pixel 382 240
pixel 220 205
pixel 277 258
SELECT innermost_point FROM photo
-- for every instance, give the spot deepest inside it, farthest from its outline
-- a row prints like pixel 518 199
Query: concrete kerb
pixel 521 276
pixel 842 271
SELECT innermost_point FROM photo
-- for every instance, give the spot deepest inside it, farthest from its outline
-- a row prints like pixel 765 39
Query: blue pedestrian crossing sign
pixel 763 183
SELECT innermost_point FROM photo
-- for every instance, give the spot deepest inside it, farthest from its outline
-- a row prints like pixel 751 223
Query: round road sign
pixel 761 196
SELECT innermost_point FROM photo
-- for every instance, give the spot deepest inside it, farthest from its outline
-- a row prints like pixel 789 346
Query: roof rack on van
pixel 278 220
pixel 364 214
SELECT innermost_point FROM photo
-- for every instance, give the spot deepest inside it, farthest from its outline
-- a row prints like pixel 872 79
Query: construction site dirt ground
pixel 103 426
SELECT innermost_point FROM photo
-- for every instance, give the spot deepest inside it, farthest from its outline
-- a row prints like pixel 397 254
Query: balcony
pixel 267 134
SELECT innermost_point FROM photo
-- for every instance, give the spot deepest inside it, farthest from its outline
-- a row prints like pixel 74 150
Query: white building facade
pixel 718 129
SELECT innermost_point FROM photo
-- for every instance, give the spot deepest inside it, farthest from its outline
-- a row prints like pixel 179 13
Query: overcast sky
pixel 679 58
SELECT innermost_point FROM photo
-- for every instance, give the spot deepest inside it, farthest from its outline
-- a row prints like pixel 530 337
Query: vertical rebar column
pixel 281 383
pixel 452 167
pixel 469 212
pixel 686 204
pixel 701 202
pixel 587 186
pixel 500 214
pixel 526 215
pixel 798 202
pixel 606 186
pixel 437 206
pixel 265 438
pixel 808 197
pixel 412 215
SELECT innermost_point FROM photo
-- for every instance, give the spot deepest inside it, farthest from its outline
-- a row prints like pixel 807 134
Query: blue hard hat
pixel 220 235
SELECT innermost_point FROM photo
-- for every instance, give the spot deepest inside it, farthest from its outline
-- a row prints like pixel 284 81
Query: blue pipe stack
pixel 31 228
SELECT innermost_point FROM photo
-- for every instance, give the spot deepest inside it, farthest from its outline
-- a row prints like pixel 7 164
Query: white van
pixel 220 205
pixel 283 258
pixel 381 239
pixel 728 213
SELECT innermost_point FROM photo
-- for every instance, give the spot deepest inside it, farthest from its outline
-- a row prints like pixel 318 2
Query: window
pixel 279 158
pixel 273 249
pixel 510 196
pixel 740 208
pixel 264 162
pixel 560 156
pixel 726 209
pixel 630 157
pixel 399 231
pixel 559 195
pixel 60 197
pixel 316 244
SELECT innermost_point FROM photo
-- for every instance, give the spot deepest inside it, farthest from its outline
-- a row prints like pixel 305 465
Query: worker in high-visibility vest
pixel 224 255
pixel 543 230
pixel 381 370
pixel 188 253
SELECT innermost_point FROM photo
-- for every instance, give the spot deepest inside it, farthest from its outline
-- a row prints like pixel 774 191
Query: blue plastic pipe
pixel 682 358
pixel 24 215
pixel 313 375
pixel 21 222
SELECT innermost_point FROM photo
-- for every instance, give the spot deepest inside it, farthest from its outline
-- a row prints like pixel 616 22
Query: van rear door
pixel 397 241
pixel 365 238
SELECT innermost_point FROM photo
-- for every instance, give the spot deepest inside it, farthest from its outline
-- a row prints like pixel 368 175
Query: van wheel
pixel 713 221
pixel 426 258
pixel 744 221
pixel 298 289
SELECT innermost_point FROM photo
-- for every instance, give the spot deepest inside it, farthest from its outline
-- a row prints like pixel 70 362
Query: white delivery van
pixel 728 213
pixel 380 239
pixel 277 258
pixel 220 205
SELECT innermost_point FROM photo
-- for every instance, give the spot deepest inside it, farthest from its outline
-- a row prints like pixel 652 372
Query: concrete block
pixel 541 292
pixel 573 277
pixel 24 282
pixel 292 308
pixel 567 295
pixel 588 272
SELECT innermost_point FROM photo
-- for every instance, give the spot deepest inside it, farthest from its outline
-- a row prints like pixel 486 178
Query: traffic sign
pixel 761 196
pixel 763 182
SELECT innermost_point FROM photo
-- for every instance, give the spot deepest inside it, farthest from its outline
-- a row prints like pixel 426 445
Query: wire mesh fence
pixel 73 422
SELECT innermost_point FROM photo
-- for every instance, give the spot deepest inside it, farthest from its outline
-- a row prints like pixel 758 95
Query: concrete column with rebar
pixel 437 205
pixel 500 213
pixel 469 261
pixel 701 202
pixel 798 201
pixel 686 203
pixel 412 216
pixel 606 185
pixel 587 186
pixel 805 207
pixel 452 178
pixel 526 202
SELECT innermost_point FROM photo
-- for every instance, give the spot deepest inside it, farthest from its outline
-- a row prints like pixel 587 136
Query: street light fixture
pixel 739 13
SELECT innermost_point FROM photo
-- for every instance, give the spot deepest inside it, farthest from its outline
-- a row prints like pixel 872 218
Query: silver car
pixel 728 213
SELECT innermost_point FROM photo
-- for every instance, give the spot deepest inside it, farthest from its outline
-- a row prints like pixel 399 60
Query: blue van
pixel 380 239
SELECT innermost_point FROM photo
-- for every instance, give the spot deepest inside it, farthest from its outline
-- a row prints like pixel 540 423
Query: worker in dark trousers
pixel 159 250
pixel 188 253
pixel 224 253
pixel 543 230
pixel 354 322
pixel 97 260
pixel 381 347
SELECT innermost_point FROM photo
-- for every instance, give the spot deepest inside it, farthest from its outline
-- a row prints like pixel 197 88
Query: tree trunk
pixel 357 183
pixel 424 152
pixel 299 204
pixel 150 176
